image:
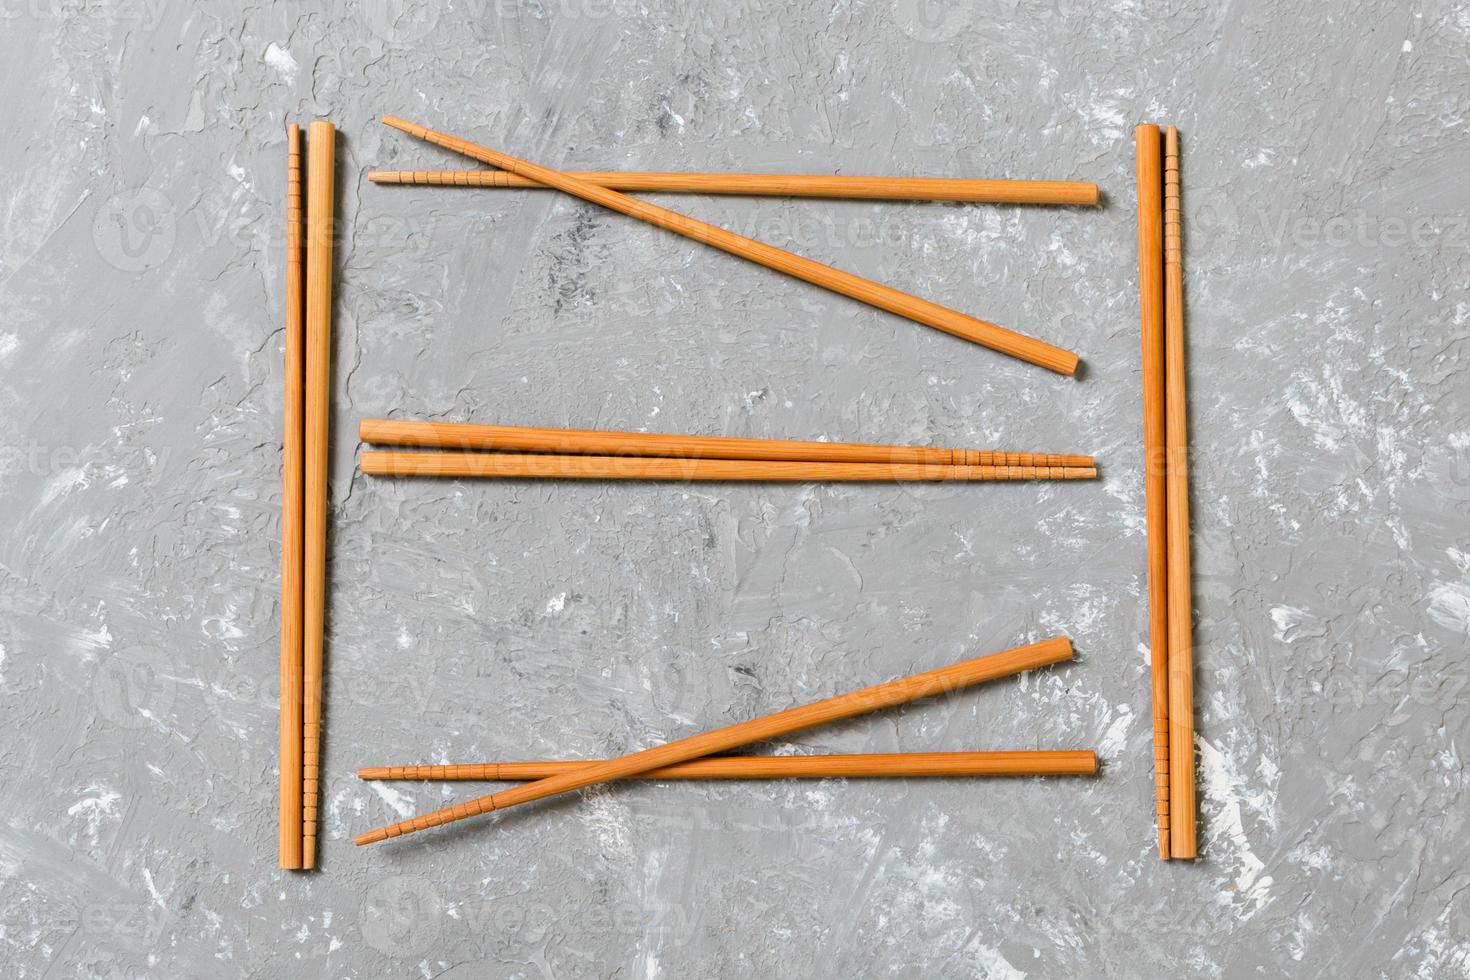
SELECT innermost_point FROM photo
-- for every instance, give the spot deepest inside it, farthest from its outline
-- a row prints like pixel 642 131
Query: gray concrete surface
pixel 140 291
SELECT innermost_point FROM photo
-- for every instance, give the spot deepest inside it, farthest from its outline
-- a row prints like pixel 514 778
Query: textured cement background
pixel 140 289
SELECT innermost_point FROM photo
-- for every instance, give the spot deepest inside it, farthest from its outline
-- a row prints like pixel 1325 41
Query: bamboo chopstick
pixel 875 294
pixel 774 185
pixel 515 438
pixel 547 467
pixel 1151 307
pixel 293 419
pixel 1181 641
pixel 320 203
pixel 884 695
pixel 876 765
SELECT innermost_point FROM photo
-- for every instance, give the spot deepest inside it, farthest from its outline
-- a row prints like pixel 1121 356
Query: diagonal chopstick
pixel 888 694
pixel 856 287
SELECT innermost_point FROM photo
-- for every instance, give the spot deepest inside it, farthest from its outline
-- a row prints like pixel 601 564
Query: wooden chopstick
pixel 894 692
pixel 320 204
pixel 775 185
pixel 1151 307
pixel 1182 802
pixel 547 467
pixel 292 426
pixel 876 765
pixel 875 294
pixel 515 438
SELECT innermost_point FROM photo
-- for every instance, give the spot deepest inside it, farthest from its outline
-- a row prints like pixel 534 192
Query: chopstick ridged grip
pixel 856 287
pixel 888 694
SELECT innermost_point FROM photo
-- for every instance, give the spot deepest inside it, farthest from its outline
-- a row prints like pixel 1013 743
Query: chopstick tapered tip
pixel 371 837
pixel 372 772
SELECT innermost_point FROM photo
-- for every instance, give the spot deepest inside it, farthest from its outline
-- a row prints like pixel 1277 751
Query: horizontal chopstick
pixel 545 467
pixel 875 765
pixel 888 694
pixel 845 283
pixel 775 185
pixel 529 439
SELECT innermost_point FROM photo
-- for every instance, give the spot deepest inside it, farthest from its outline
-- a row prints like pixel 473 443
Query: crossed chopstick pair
pixel 598 189
pixel 695 757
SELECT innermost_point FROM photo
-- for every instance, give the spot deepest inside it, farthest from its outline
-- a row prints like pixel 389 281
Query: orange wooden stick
pixel 320 204
pixel 774 185
pixel 292 424
pixel 1151 307
pixel 876 765
pixel 1182 802
pixel 875 294
pixel 515 438
pixel 888 694
pixel 545 467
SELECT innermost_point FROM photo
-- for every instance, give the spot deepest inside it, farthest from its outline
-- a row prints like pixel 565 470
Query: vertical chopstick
pixel 869 766
pixel 291 518
pixel 538 466
pixel 320 205
pixel 875 294
pixel 894 692
pixel 1059 192
pixel 1151 307
pixel 1182 802
pixel 530 439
